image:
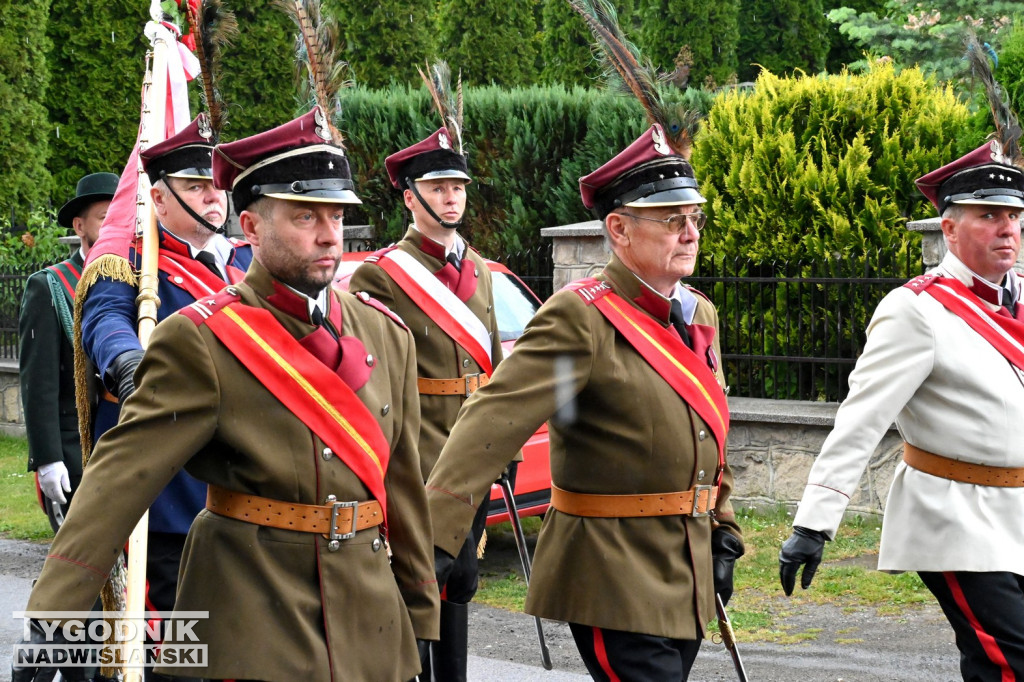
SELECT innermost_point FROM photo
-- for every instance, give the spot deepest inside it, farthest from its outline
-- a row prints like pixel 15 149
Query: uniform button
pixel 489 308
pixel 376 545
pixel 333 546
pixel 384 410
pixel 369 360
pixel 363 296
pixel 178 280
pixel 233 291
pixel 327 453
pixel 476 273
pixel 700 475
pixel 465 362
pixel 702 434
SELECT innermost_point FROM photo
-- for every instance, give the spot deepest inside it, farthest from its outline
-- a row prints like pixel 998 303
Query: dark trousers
pixel 986 611
pixel 464 579
pixel 163 557
pixel 618 656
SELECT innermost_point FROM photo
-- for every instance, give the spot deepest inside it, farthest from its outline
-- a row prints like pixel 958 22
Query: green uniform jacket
pixel 616 428
pixel 282 607
pixel 437 354
pixel 47 370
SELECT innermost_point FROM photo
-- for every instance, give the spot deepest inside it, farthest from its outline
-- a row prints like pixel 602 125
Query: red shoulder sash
pixel 686 373
pixel 194 277
pixel 320 398
pixel 1003 332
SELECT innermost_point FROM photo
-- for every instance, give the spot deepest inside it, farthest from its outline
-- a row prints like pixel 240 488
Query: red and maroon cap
pixel 646 173
pixel 982 177
pixel 430 159
pixel 186 154
pixel 296 161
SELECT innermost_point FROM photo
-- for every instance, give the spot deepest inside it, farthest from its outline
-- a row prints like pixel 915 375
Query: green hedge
pixel 527 149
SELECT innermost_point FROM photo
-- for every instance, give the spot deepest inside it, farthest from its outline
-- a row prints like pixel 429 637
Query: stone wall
pixel 773 443
pixel 12 420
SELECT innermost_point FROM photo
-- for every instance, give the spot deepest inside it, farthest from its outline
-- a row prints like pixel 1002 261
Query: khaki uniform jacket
pixel 282 607
pixel 616 428
pixel 437 354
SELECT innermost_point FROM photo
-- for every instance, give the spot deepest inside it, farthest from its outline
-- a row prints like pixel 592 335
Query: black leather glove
pixel 122 371
pixel 443 565
pixel 804 547
pixel 37 636
pixel 726 548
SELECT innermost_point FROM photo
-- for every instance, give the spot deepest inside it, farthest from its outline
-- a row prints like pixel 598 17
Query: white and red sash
pixel 192 276
pixel 680 367
pixel 442 306
pixel 1003 332
pixel 319 398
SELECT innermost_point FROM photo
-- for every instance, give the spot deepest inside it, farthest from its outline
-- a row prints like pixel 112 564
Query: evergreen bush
pixel 24 128
pixel 709 29
pixel 492 41
pixel 821 171
pixel 781 36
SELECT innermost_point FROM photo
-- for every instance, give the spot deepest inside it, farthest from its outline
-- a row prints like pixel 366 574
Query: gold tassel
pixel 481 545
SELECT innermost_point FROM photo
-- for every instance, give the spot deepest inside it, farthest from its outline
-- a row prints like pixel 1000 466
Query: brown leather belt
pixel 964 472
pixel 109 397
pixel 696 502
pixel 335 520
pixel 457 386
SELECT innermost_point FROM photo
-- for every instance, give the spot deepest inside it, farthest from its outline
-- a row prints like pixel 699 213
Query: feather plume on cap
pixel 447 102
pixel 317 50
pixel 214 28
pixel 1008 129
pixel 626 69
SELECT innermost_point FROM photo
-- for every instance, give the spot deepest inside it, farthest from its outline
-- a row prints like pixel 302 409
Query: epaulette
pixel 204 308
pixel 379 253
pixel 698 292
pixel 589 289
pixel 922 282
pixel 374 303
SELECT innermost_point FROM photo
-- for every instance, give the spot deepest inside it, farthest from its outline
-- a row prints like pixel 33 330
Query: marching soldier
pixel 944 360
pixel 298 406
pixel 196 260
pixel 46 356
pixel 441 288
pixel 641 533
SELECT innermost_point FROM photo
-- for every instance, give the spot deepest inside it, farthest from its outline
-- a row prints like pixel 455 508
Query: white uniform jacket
pixel 951 393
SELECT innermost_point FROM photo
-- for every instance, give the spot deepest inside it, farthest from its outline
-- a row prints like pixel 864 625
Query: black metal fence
pixel 794 329
pixel 12 286
pixel 790 329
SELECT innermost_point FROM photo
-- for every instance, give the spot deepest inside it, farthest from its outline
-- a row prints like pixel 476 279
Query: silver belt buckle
pixel 697 490
pixel 468 378
pixel 335 506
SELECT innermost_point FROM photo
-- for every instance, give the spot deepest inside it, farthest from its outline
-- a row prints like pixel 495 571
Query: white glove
pixel 52 478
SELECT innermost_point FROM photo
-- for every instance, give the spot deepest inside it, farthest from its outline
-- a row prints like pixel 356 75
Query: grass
pixel 20 515
pixel 847 578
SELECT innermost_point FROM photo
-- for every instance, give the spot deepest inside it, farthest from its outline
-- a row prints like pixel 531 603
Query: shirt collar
pixel 984 289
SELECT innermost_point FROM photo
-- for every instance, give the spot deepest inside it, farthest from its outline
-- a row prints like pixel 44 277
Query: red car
pixel 514 305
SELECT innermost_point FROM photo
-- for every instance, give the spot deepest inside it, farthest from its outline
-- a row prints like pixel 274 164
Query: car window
pixel 513 305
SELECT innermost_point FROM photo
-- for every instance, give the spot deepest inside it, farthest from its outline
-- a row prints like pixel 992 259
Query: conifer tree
pixel 384 41
pixel 96 63
pixel 781 36
pixel 708 29
pixel 565 44
pixel 492 41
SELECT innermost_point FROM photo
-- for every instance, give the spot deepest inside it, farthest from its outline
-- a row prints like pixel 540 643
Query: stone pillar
pixel 580 250
pixel 359 237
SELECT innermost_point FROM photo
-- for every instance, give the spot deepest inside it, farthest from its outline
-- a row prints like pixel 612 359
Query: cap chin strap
pixel 188 209
pixel 451 226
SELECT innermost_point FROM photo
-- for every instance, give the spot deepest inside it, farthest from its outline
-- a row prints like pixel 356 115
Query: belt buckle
pixel 697 490
pixel 335 506
pixel 469 378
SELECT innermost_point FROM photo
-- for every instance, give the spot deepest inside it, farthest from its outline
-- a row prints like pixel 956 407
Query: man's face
pixel 201 196
pixel 298 242
pixel 985 238
pixel 87 223
pixel 447 198
pixel 654 251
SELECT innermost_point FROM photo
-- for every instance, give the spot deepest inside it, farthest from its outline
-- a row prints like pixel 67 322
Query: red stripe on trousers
pixel 988 642
pixel 602 656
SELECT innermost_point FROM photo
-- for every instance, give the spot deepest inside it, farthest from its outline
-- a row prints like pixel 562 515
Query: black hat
pixel 90 189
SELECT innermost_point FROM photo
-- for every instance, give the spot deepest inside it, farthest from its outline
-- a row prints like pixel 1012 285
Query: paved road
pixel 857 646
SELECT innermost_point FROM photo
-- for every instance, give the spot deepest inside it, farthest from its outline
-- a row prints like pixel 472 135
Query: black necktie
pixel 454 260
pixel 1007 301
pixel 317 318
pixel 679 322
pixel 207 259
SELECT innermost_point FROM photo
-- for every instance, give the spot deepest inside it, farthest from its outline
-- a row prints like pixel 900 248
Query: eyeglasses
pixel 677 224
